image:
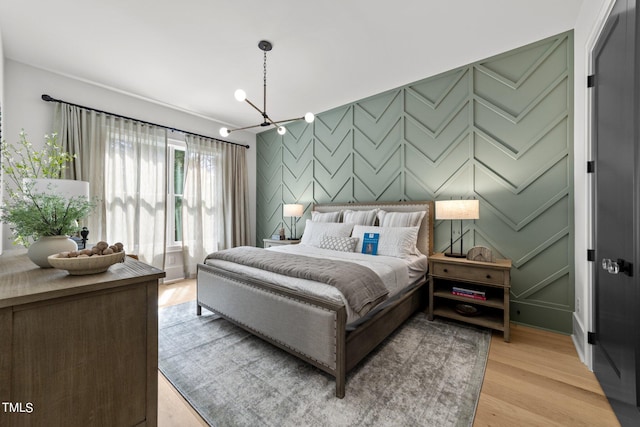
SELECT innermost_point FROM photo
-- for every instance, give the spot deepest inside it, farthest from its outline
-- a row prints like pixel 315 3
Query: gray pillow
pixel 342 244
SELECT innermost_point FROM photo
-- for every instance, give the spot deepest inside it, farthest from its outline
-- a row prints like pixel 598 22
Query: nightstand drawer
pixel 466 272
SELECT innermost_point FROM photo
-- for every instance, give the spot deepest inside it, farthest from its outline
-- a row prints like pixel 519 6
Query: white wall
pixel 588 25
pixel 1 128
pixel 23 108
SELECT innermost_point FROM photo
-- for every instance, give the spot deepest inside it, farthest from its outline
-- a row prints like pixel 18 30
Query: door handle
pixel 617 266
pixel 612 267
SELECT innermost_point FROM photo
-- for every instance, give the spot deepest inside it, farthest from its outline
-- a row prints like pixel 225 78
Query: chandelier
pixel 241 95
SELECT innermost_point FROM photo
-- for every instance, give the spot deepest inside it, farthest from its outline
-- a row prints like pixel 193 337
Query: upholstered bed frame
pixel 310 328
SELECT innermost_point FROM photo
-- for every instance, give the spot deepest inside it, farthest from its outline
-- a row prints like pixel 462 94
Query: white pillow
pixel 400 219
pixel 315 231
pixel 325 216
pixel 360 217
pixel 399 242
pixel 342 244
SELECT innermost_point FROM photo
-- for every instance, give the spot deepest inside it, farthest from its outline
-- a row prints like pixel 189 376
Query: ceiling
pixel 193 54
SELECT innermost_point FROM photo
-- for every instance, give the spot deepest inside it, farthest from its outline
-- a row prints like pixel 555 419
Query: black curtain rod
pixel 51 99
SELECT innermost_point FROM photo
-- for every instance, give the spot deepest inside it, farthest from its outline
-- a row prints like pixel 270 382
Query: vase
pixel 48 245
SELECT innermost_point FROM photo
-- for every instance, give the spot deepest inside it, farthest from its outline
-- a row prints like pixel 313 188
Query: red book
pixel 462 294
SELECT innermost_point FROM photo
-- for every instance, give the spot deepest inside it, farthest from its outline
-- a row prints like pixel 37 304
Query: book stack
pixel 469 293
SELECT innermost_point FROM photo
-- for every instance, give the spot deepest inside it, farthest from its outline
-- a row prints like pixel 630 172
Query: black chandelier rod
pixel 264 86
pixel 262 113
pixel 48 98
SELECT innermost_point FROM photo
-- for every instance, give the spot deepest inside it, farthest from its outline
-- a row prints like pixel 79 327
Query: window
pixel 175 191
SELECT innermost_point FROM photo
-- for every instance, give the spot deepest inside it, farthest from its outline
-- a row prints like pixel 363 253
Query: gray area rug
pixel 424 374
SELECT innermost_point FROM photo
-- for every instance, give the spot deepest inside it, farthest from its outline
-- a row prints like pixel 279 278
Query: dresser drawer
pixel 466 272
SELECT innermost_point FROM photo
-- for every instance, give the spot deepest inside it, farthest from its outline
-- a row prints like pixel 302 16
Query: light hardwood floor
pixel 535 380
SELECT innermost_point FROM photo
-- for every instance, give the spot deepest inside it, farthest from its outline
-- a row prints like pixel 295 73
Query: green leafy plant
pixel 33 213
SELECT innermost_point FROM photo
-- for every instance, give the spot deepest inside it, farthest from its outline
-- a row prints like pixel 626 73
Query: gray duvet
pixel 361 287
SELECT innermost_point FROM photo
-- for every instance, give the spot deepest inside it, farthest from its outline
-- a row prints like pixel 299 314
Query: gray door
pixel 616 235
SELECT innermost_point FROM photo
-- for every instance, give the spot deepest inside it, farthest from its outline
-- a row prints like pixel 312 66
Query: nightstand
pixel 272 242
pixel 481 294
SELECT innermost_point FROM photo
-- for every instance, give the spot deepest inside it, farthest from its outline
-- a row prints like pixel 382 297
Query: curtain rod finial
pixel 46 97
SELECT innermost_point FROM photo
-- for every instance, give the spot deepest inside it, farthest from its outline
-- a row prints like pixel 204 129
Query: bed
pixel 319 325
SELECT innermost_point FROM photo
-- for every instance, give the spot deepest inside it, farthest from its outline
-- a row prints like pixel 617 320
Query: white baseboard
pixel 579 337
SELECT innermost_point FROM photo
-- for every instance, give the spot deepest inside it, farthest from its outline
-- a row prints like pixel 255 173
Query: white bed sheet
pixel 396 273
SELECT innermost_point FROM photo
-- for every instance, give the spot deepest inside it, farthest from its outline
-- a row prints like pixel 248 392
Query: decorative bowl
pixel 85 265
pixel 467 309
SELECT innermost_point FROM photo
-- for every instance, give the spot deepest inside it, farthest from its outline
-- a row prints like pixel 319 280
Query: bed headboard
pixel 425 234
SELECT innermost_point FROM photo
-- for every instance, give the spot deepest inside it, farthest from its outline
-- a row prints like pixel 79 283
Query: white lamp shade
pixel 240 95
pixel 292 210
pixel 224 132
pixel 457 209
pixel 282 130
pixel 309 117
pixel 66 188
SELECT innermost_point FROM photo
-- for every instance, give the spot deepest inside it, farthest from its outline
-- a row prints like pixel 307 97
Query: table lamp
pixel 293 211
pixel 457 209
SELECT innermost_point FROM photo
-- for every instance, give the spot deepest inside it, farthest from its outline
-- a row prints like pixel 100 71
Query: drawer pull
pixel 488 276
pixel 445 270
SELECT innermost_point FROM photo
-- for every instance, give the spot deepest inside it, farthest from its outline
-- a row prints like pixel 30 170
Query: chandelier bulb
pixel 224 132
pixel 282 130
pixel 309 117
pixel 240 95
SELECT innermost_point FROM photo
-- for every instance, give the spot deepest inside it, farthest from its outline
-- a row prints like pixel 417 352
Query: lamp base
pixel 455 255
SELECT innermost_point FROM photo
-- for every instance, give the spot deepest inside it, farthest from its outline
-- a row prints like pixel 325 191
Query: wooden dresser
pixel 78 350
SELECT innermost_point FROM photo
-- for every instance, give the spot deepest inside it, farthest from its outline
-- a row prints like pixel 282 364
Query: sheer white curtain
pixel 135 190
pixel 125 164
pixel 215 205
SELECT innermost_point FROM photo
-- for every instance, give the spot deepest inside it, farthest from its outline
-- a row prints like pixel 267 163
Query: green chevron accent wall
pixel 498 130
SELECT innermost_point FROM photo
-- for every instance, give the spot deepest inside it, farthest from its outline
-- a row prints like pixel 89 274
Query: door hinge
pixel 591 254
pixel 591 166
pixel 591 80
pixel 591 338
